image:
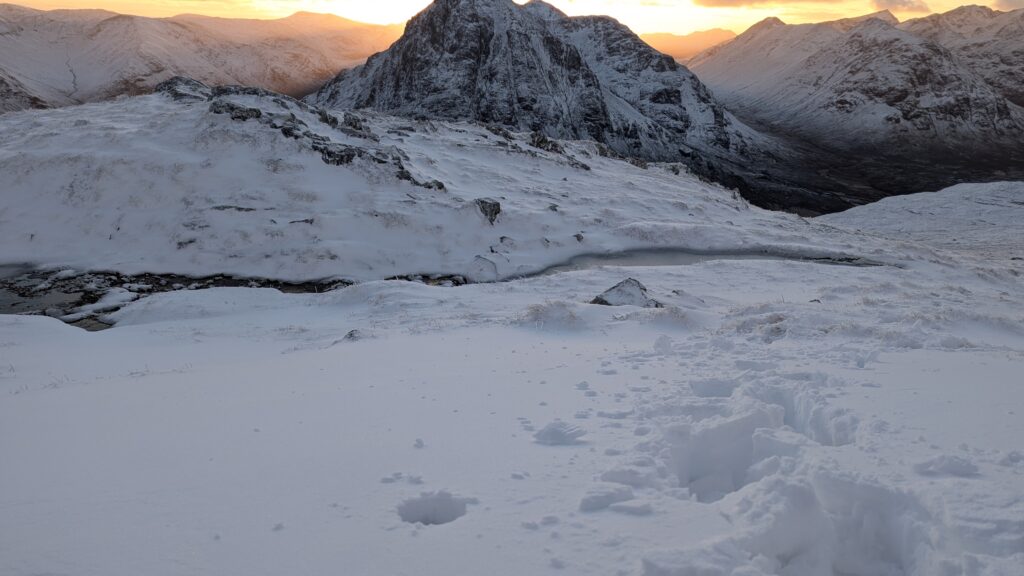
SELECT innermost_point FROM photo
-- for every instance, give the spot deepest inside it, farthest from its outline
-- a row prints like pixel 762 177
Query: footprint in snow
pixel 559 433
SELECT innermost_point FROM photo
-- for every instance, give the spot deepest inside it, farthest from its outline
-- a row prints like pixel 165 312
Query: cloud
pixel 735 3
pixel 1009 4
pixel 897 5
pixel 902 5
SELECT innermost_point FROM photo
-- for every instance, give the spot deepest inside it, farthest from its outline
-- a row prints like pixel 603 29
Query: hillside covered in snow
pixel 855 84
pixel 697 386
pixel 989 41
pixel 62 57
pixel 444 318
pixel 197 180
pixel 873 102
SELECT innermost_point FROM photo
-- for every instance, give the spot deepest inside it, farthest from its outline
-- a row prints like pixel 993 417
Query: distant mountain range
pixel 811 118
pixel 684 47
pixel 62 57
pixel 895 106
pixel 858 83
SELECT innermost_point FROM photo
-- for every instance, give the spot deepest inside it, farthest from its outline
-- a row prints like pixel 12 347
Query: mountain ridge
pixel 64 57
pixel 864 88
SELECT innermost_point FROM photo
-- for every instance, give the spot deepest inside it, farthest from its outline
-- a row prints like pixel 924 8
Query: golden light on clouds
pixel 679 16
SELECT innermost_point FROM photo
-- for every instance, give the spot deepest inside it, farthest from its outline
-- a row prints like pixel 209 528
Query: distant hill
pixel 687 46
pixel 61 57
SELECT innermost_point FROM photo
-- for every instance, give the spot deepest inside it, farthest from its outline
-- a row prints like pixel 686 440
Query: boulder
pixel 629 292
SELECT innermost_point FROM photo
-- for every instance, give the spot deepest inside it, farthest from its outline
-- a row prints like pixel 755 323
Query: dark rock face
pixel 14 96
pixel 489 208
pixel 183 88
pixel 629 292
pixel 531 68
pixel 237 112
pixel 278 112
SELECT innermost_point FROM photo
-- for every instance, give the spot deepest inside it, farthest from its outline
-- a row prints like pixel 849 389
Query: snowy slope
pixel 858 85
pixel 299 193
pixel 989 41
pixel 69 56
pixel 683 47
pixel 967 217
pixel 773 418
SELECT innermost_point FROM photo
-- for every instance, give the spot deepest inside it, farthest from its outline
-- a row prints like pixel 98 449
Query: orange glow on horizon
pixel 644 16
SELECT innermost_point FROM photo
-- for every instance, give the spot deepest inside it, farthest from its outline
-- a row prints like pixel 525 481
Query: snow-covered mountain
pixel 856 84
pixel 530 67
pixel 989 41
pixel 751 412
pixel 200 181
pixel 873 105
pixel 686 46
pixel 63 57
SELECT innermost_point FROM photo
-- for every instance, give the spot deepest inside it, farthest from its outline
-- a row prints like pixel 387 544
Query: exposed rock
pixel 237 112
pixel 629 292
pixel 489 208
pixel 183 88
pixel 539 140
pixel 15 96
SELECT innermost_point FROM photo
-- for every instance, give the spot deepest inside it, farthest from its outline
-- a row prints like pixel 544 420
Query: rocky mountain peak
pixel 532 68
pixel 544 10
pixel 882 17
pixel 766 24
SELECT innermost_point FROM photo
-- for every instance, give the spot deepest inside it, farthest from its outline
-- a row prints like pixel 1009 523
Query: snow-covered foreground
pixel 772 417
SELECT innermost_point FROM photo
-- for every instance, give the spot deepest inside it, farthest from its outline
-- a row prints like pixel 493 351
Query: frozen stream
pixel 74 298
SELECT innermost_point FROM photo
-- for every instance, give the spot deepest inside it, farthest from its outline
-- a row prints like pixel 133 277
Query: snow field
pixel 733 417
pixel 738 430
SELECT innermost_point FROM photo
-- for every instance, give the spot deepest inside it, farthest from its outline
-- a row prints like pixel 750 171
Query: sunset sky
pixel 679 16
